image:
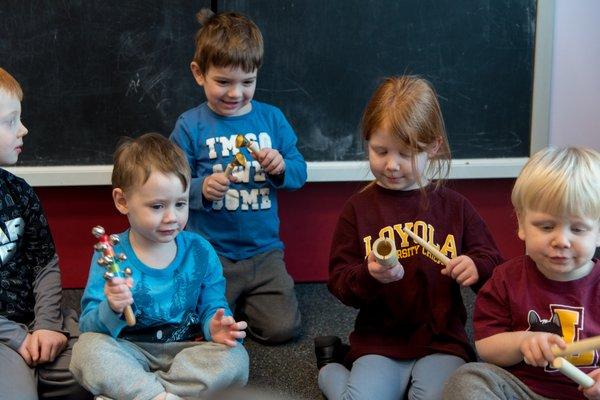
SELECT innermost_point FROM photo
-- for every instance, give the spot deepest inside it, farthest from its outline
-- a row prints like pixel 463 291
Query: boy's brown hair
pixel 136 159
pixel 9 85
pixel 227 39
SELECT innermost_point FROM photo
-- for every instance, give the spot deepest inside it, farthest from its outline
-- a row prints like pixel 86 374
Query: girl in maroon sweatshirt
pixel 409 333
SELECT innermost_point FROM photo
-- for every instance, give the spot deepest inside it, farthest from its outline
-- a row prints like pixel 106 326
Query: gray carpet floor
pixel 289 370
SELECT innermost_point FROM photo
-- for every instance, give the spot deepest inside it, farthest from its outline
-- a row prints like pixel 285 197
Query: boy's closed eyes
pixel 10 121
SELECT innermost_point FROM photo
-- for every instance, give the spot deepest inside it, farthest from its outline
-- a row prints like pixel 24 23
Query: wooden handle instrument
pixel 229 170
pixel 384 250
pixel 578 347
pixel 564 366
pixel 238 161
pixel 436 253
pixel 574 373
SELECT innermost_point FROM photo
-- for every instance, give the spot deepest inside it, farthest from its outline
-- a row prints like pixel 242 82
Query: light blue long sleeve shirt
pixel 183 296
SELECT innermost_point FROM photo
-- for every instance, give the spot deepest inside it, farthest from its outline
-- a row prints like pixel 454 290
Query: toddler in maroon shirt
pixel 409 335
pixel 549 296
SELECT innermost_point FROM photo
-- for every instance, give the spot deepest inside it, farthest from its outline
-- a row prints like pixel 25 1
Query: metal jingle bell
pixel 97 231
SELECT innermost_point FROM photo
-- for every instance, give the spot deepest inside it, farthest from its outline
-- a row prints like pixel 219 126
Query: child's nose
pixel 235 91
pixel 169 216
pixel 392 164
pixel 561 239
pixel 22 130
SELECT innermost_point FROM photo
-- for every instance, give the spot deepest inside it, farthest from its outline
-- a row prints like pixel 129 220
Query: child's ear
pixel 198 75
pixel 434 147
pixel 521 231
pixel 120 200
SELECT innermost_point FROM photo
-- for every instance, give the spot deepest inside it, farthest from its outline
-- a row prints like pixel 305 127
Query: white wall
pixel 575 87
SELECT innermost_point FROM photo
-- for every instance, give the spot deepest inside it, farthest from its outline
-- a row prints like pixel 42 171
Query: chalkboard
pixel 95 70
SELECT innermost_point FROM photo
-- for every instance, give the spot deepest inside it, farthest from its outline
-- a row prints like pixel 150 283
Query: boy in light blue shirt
pixel 238 214
pixel 184 342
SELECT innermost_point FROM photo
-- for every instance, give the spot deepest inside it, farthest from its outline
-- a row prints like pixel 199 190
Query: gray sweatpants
pixel 121 369
pixel 374 377
pixel 260 291
pixel 52 381
pixel 483 381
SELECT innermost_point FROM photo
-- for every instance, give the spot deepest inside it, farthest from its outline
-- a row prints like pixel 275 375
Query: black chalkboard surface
pixel 95 70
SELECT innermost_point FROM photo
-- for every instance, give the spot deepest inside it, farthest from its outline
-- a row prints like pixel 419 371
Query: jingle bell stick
pixel 111 263
pixel 242 141
pixel 436 253
pixel 238 161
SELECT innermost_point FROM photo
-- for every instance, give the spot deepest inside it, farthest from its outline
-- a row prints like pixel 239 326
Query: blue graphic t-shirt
pixel 245 222
pixel 171 304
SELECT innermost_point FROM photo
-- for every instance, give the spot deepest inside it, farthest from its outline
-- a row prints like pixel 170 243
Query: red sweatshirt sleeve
pixel 479 245
pixel 349 278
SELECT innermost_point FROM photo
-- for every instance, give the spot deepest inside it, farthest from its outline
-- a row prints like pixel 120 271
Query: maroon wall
pixel 308 217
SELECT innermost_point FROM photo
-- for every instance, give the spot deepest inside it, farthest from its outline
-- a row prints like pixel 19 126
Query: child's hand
pixel 537 348
pixel 45 345
pixel 593 393
pixel 215 186
pixel 24 350
pixel 463 270
pixel 225 330
pixel 271 161
pixel 382 273
pixel 118 293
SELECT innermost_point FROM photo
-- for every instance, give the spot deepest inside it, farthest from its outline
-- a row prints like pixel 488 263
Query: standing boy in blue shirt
pixel 238 214
pixel 36 336
pixel 184 341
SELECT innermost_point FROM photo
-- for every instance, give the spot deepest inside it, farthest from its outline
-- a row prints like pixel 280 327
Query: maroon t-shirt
pixel 423 313
pixel 518 297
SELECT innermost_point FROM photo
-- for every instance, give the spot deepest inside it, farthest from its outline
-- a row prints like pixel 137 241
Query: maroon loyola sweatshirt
pixel 422 313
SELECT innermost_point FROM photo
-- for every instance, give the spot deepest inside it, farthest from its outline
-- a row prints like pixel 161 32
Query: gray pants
pixel 483 381
pixel 120 369
pixel 260 291
pixel 50 381
pixel 374 377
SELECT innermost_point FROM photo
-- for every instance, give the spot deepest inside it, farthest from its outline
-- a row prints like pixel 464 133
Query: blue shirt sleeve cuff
pixel 111 320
